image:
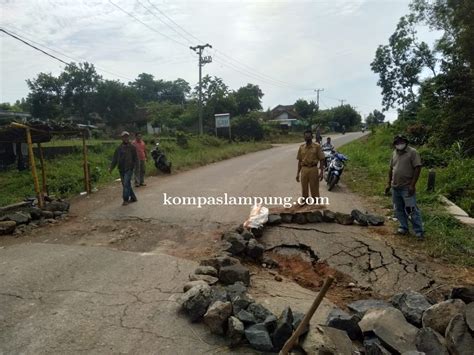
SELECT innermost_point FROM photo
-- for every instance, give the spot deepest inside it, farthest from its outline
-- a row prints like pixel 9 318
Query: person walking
pixel 405 168
pixel 309 155
pixel 125 158
pixel 142 155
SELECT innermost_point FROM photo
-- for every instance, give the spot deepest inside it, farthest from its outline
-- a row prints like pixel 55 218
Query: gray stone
pixel 19 217
pixel 344 219
pixel 57 214
pixel 412 304
pixel 235 243
pixel 34 212
pixel 465 294
pixel 314 217
pixel 62 206
pixel 284 328
pixel 217 315
pixel 458 339
pixel 247 235
pixel 431 342
pixel 218 293
pixel 329 216
pixel 297 319
pixel 235 330
pixel 236 289
pixel 246 317
pixel 286 217
pixel 391 327
pixel 327 340
pixel 438 316
pixel 206 270
pixel 254 249
pixel 269 262
pixel 373 346
pixel 191 284
pixel 349 323
pixel 274 219
pixel 470 316
pixel 413 352
pixel 260 312
pixel 360 217
pixel 375 220
pixel 7 227
pixel 360 307
pixel 271 323
pixel 196 300
pixel 240 228
pixel 258 337
pixel 241 302
pixel 219 261
pixel 299 218
pixel 257 232
pixel 211 280
pixel 234 273
pixel 47 214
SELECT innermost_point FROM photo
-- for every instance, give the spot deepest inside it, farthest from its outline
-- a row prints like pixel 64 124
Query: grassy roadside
pixel 366 174
pixel 64 174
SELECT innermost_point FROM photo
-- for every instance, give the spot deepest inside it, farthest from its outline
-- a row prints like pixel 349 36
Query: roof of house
pixel 289 109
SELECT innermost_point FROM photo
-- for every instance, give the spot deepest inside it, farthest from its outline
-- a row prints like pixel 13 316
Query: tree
pixel 45 96
pixel 80 85
pixel 248 98
pixel 306 109
pixel 165 114
pixel 247 127
pixel 375 118
pixel 115 102
pixel 346 116
pixel 145 87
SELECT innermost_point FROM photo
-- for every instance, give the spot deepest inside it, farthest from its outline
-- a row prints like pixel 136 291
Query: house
pixel 285 115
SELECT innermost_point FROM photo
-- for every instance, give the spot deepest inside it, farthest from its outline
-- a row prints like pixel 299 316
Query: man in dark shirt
pixel 405 167
pixel 125 157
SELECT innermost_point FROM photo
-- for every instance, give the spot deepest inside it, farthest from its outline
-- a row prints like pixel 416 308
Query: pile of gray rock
pixel 217 295
pixel 23 219
pixel 410 324
pixel 327 216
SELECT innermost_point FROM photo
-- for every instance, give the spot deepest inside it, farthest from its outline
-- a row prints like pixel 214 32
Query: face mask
pixel 309 140
pixel 401 146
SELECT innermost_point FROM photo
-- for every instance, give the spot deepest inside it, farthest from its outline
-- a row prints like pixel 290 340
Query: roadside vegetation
pixel 65 173
pixel 446 238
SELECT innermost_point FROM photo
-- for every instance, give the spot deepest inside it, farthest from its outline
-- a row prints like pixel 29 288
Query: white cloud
pixel 308 44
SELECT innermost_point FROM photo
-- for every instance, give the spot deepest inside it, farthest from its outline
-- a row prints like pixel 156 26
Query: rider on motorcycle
pixel 328 145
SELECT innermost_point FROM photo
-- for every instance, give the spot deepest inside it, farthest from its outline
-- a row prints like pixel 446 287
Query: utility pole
pixel 342 102
pixel 202 61
pixel 317 96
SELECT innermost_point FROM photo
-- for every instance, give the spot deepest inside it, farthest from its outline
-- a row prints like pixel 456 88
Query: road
pixel 101 283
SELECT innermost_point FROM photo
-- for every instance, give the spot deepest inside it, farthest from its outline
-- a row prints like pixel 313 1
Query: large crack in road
pixel 370 262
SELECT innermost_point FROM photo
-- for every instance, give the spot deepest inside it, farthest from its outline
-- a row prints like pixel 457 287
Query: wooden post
pixel 33 168
pixel 304 323
pixel 87 184
pixel 43 171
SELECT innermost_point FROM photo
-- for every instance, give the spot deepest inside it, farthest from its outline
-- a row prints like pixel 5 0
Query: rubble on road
pixel 22 218
pixel 406 324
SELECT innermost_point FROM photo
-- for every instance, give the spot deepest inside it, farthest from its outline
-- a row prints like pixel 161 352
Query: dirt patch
pixel 310 274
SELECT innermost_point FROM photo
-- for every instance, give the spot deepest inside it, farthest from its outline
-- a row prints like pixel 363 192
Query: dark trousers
pixel 126 178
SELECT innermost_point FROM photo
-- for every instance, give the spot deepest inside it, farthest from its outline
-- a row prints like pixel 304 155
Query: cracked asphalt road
pixel 67 289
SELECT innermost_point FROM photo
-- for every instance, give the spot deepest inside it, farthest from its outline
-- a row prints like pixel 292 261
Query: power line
pixel 148 26
pixel 69 57
pixel 32 46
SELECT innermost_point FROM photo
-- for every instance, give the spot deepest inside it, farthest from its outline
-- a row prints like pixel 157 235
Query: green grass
pixel 65 173
pixel 366 174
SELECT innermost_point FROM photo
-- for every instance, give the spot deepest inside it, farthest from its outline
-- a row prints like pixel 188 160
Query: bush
pixel 433 157
pixel 182 139
pixel 211 141
pixel 247 128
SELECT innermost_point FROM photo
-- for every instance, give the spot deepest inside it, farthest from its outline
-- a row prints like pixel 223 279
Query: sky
pixel 288 48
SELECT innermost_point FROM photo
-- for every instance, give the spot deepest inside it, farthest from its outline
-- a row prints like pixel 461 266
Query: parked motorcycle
pixel 334 170
pixel 159 157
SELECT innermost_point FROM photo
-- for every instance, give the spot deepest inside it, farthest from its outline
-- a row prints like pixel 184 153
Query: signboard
pixel 222 120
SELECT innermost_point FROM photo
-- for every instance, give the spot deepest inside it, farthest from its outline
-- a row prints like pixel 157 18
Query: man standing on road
pixel 309 155
pixel 140 146
pixel 405 167
pixel 125 157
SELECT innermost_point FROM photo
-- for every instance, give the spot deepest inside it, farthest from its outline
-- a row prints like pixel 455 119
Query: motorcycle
pixel 159 157
pixel 334 170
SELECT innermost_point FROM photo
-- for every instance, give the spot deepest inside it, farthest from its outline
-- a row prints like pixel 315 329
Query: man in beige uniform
pixel 309 155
